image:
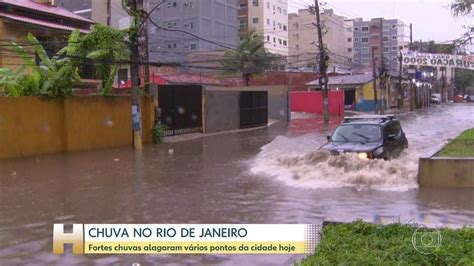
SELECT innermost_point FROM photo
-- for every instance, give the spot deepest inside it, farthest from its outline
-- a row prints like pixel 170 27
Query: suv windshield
pixel 357 133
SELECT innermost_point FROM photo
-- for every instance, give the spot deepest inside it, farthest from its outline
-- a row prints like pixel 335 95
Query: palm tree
pixel 250 59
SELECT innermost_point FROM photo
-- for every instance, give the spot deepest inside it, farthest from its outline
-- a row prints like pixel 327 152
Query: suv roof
pixel 372 119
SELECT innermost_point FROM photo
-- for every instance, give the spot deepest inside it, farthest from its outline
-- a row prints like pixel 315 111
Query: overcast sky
pixel 431 19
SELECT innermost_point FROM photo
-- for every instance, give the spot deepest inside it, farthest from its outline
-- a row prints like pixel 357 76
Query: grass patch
pixel 361 243
pixel 462 146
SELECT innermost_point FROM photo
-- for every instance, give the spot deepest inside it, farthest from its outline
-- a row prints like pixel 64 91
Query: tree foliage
pixel 463 8
pixel 55 76
pixel 463 78
pixel 104 46
pixel 250 58
pixel 51 77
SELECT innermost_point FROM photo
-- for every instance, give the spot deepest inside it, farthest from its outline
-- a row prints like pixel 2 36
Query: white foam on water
pixel 297 162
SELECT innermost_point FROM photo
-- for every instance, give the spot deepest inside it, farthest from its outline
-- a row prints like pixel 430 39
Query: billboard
pixel 438 60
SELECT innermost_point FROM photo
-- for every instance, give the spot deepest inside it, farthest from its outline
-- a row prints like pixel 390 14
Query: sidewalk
pixel 392 111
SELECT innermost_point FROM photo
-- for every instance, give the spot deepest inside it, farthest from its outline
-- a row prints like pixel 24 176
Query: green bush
pixel 361 243
pixel 158 133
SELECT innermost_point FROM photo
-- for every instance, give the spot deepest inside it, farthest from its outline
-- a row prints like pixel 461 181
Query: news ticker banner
pixel 187 238
pixel 438 60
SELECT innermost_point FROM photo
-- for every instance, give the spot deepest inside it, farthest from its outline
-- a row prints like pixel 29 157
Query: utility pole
pixel 146 55
pixel 411 83
pixel 382 71
pixel 400 89
pixel 109 13
pixel 374 76
pixel 135 74
pixel 323 60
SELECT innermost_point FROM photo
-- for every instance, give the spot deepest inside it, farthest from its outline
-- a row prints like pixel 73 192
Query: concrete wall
pixel 221 105
pixel 278 103
pixel 446 172
pixel 221 112
pixel 31 126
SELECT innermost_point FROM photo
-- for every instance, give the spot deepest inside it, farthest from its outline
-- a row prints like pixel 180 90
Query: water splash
pixel 297 162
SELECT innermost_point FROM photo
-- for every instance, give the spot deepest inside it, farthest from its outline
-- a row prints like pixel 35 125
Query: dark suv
pixel 370 136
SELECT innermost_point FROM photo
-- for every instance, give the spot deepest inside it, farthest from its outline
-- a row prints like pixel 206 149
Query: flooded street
pixel 269 175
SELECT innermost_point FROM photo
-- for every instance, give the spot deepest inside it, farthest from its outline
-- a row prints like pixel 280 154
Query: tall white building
pixel 268 18
pixel 303 40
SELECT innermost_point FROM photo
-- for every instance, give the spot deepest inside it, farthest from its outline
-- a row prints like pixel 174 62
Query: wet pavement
pixel 269 175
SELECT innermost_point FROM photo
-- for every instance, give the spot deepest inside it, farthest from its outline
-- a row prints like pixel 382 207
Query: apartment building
pixel 98 11
pixel 214 21
pixel 378 34
pixel 268 18
pixel 303 39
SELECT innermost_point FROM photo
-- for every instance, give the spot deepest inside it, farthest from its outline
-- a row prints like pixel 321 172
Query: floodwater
pixel 269 175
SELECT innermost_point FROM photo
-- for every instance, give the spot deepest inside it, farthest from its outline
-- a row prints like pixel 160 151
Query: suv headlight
pixel 365 155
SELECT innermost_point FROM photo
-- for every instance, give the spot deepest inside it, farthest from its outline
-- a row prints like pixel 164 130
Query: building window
pixel 296 25
pixel 349 39
pixel 394 37
pixel 356 50
pixel 255 2
pixel 385 38
pixel 192 46
pixel 255 20
pixel 364 50
pixel 268 38
pixel 296 35
pixel 279 41
pixel 394 26
pixel 285 43
pixel 297 47
pixel 284 12
pixel 365 61
pixel 268 4
pixel 268 21
pixel 356 28
pixel 394 48
pixel 274 40
pixel 365 29
pixel 349 60
pixel 279 26
pixel 279 10
pixel 386 28
pixel 394 59
pixel 349 50
pixel 356 39
pixel 284 27
pixel 386 49
pixel 365 40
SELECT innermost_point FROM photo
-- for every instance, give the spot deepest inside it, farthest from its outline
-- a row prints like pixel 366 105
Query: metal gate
pixel 181 108
pixel 253 108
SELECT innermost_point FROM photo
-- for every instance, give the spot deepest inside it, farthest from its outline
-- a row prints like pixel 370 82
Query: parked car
pixel 435 98
pixel 468 98
pixel 458 98
pixel 370 136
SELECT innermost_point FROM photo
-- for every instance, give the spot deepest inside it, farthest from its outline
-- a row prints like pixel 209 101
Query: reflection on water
pixel 208 180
